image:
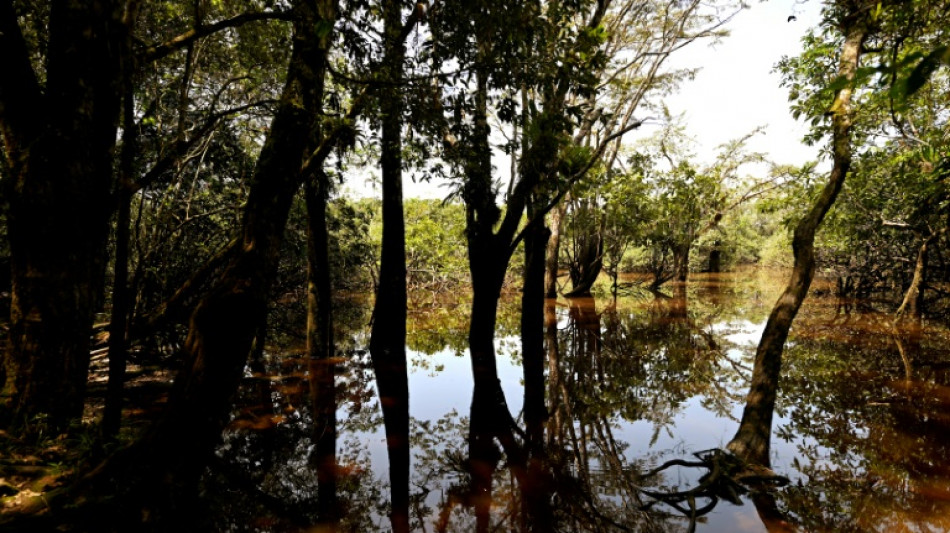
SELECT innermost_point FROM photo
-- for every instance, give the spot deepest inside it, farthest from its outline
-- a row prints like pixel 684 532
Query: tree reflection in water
pixel 631 385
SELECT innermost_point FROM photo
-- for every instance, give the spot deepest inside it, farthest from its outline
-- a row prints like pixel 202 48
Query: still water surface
pixel 862 427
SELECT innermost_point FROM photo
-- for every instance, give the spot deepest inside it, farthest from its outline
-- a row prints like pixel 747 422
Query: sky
pixel 734 91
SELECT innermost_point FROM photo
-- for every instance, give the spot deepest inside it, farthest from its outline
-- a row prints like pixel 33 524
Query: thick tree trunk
pixel 59 142
pixel 388 341
pixel 681 262
pixel 320 349
pixel 155 480
pixel 554 251
pixel 588 260
pixel 752 440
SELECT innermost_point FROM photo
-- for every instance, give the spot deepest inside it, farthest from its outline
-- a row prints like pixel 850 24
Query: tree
pixel 59 109
pixel 165 465
pixel 854 21
pixel 59 129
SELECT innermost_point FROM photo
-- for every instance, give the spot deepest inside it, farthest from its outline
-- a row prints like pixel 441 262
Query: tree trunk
pixel 588 259
pixel 388 341
pixel 59 142
pixel 553 251
pixel 321 348
pixel 532 332
pixel 156 479
pixel 681 262
pixel 121 294
pixel 913 299
pixel 751 442
pixel 715 258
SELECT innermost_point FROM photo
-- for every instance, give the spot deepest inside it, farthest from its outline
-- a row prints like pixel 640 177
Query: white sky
pixel 734 92
pixel 736 89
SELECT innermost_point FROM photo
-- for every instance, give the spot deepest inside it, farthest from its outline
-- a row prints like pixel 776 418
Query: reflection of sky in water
pixel 684 380
pixel 442 382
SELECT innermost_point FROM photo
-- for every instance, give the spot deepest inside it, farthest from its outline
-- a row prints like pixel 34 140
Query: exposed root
pixel 727 478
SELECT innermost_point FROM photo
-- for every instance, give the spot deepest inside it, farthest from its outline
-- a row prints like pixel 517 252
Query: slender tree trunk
pixel 532 331
pixel 121 294
pixel 913 298
pixel 554 357
pixel 536 489
pixel 483 453
pixel 59 142
pixel 715 258
pixel 554 250
pixel 320 349
pixel 388 341
pixel 751 442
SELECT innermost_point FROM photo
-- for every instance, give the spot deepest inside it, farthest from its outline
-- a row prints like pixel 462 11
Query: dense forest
pixel 178 243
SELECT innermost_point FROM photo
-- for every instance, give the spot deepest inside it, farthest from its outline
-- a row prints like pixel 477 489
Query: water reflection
pixel 630 385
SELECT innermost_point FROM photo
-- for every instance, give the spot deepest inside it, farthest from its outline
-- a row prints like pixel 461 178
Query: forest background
pixel 171 180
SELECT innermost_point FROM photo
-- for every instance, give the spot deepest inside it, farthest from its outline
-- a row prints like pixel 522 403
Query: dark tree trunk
pixel 679 304
pixel 681 262
pixel 121 294
pixel 535 489
pixel 751 442
pixel 388 341
pixel 588 259
pixel 320 349
pixel 555 418
pixel 532 331
pixel 715 259
pixel 156 479
pixel 554 251
pixel 488 255
pixel 59 142
pixel 225 322
pixel 487 401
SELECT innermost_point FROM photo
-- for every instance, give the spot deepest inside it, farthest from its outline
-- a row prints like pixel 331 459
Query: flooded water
pixel 861 427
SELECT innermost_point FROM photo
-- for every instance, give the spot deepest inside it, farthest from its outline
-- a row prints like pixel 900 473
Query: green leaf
pixel 922 72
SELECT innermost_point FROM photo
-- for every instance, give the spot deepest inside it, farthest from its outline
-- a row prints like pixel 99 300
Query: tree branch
pixel 158 51
pixel 601 148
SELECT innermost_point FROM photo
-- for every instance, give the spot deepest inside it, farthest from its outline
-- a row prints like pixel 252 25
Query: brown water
pixel 861 427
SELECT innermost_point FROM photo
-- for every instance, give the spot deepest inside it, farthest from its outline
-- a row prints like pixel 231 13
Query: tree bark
pixel 554 251
pixel 156 478
pixel 588 258
pixel 715 258
pixel 681 262
pixel 59 141
pixel 121 294
pixel 388 340
pixel 320 348
pixel 532 332
pixel 913 299
pixel 752 440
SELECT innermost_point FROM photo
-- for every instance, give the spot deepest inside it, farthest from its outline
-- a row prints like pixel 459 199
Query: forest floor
pixel 35 461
